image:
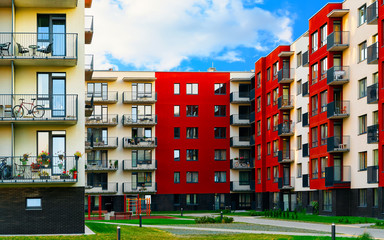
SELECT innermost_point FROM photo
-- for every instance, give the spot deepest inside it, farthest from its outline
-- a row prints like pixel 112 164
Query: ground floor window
pixel 327 201
pixel 176 199
pixel 258 200
pixel 275 200
pixel 375 197
pixel 219 201
pixel 191 199
pixel 244 200
pixel 362 197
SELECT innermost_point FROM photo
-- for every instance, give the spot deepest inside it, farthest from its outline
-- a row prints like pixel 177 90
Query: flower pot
pixel 60 165
pixel 24 162
pixel 61 156
pixel 46 165
pixel 75 175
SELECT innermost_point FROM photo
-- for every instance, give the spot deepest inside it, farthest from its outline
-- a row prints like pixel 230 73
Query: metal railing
pixel 102 120
pixel 337 175
pixel 102 165
pixel 134 187
pixel 242 186
pixel 49 107
pixel 102 97
pixel 101 143
pixel 338 144
pixel 286 156
pixel 373 53
pixel 338 75
pixel 285 102
pixel 138 97
pixel 373 93
pixel 140 142
pixel 338 109
pixel 240 141
pixel 106 187
pixel 88 21
pixel 337 41
pixel 34 169
pixel 286 75
pixel 242 164
pixel 286 128
pixel 240 119
pixel 240 97
pixel 372 13
pixel 139 164
pixel 129 119
pixel 373 134
pixel 88 62
pixel 39 45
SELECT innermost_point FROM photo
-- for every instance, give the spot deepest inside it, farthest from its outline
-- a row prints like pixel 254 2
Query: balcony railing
pixel 252 140
pixel 139 165
pixel 305 122
pixel 286 183
pixel 373 174
pixel 88 29
pixel 252 117
pixel 286 129
pixel 305 92
pixel 373 134
pixel 338 109
pixel 305 150
pixel 102 97
pixel 337 176
pixel 373 53
pixel 305 59
pixel 240 141
pixel 337 41
pixel 286 156
pixel 140 142
pixel 139 120
pixel 33 170
pixel 102 165
pixel 372 13
pixel 242 164
pixel 134 187
pixel 286 75
pixel 373 93
pixel 46 108
pixel 240 97
pixel 239 119
pixel 88 65
pixel 338 75
pixel 107 187
pixel 52 47
pixel 252 95
pixel 244 186
pixel 102 120
pixel 338 144
pixel 139 97
pixel 285 102
pixel 101 143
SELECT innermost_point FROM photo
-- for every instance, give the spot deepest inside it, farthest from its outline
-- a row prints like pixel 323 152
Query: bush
pixel 315 206
pixel 226 211
pixel 207 219
pixel 255 213
pixel 365 236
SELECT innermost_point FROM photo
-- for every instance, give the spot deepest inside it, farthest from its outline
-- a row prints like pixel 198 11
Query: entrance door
pixel 53 142
pixel 286 201
pixel 58 37
pixel 58 95
pixel 51 30
pixel 286 175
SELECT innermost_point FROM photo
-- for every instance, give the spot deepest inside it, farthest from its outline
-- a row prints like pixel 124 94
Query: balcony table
pixel 34 47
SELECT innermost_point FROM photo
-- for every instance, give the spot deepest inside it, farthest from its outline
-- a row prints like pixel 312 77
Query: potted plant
pixel 61 155
pixel 73 172
pixel 65 175
pixel 35 166
pixel 77 155
pixel 44 175
pixel 43 157
pixel 116 163
pixel 19 177
pixel 236 158
pixel 24 159
pixel 60 165
pixel 110 163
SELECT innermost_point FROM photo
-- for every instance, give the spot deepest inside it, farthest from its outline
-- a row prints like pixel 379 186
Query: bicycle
pixel 5 170
pixel 36 110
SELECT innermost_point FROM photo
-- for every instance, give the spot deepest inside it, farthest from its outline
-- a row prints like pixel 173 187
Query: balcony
pixel 133 187
pixel 338 110
pixel 252 140
pixel 305 122
pixel 338 75
pixel 337 41
pixel 373 93
pixel 33 170
pixel 286 156
pixel 139 165
pixel 338 176
pixel 43 49
pixel 102 188
pixel 373 134
pixel 373 174
pixel 88 4
pixel 102 143
pixel 139 120
pixel 88 29
pixel 286 183
pixel 372 13
pixel 338 144
pixel 49 108
pixel 285 102
pixel 373 53
pixel 246 186
pixel 240 142
pixel 286 129
pixel 102 120
pixel 242 164
pixel 305 150
pixel 137 97
pixel 240 119
pixel 101 98
pixel 88 65
pixel 305 59
pixel 101 165
pixel 140 142
pixel 286 75
pixel 40 4
pixel 252 117
pixel 305 91
pixel 252 95
pixel 240 97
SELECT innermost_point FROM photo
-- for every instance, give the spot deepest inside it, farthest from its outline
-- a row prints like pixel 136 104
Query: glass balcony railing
pixel 240 141
pixel 305 90
pixel 140 142
pixel 101 143
pixel 105 187
pixel 338 109
pixel 139 165
pixel 240 97
pixel 102 97
pixel 373 93
pixel 338 75
pixel 242 186
pixel 139 97
pixel 338 144
pixel 372 174
pixel 240 119
pixel 286 129
pixel 337 41
pixel 373 53
pixel 305 59
pixel 373 134
pixel 286 75
pixel 102 165
pixel 135 187
pixel 286 183
pixel 337 176
pixel 286 156
pixel 372 13
pixel 88 65
pixel 285 102
pixel 88 29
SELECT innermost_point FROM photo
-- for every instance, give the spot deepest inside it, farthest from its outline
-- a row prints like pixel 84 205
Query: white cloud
pixel 230 56
pixel 159 35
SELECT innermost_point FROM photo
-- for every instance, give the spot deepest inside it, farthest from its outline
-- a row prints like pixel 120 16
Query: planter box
pixel 65 177
pixel 45 177
pixel 19 177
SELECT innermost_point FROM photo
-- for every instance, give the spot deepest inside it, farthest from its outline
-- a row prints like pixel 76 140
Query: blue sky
pixel 191 35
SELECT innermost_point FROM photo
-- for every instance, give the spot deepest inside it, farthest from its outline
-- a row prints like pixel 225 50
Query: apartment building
pixel 42 116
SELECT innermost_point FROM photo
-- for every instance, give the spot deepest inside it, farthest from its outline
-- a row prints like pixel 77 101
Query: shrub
pixel 365 236
pixel 225 220
pixel 226 211
pixel 255 213
pixel 207 219
pixel 315 206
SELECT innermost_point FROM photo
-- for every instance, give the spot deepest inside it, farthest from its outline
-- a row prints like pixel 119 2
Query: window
pixel 275 147
pixel 33 204
pixel 323 68
pixel 298 115
pixel 258 175
pixel 192 177
pixel 258 128
pixel 176 132
pixel 314 168
pixel 176 111
pixel 363 124
pixel 176 199
pixel 268 173
pixel 375 78
pixel 275 174
pixel 314 137
pixel 258 80
pixel 192 110
pixel 275 95
pixel 269 148
pixel 192 133
pixel 268 98
pixel 220 111
pixel 315 43
pixel 362 88
pixel 362 197
pixel 268 74
pixel 176 88
pixel 220 177
pixel 220 154
pixel 298 87
pixel 192 154
pixel 324 134
pixel 176 177
pixel 298 142
pixel 298 59
pixel 362 161
pixel 375 154
pixel 269 123
pixel 275 122
pixel 375 198
pixel 176 155
pixel 323 35
pixel 220 132
pixel 314 105
pixel 314 69
pixel 362 14
pixel 324 100
pixel 98 90
pixel 191 199
pixel 192 88
pixel 327 195
pixel 274 69
pixel 245 178
pixel 299 170
pixel 258 104
pixel 324 164
pixel 259 152
pixel 220 89
pixel 362 51
pixel 375 117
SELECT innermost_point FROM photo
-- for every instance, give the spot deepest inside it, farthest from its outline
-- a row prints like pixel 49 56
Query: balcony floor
pixel 30 61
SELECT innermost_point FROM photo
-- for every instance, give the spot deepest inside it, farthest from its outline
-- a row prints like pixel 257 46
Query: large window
pixel 298 59
pixel 176 155
pixel 258 175
pixel 299 169
pixel 298 115
pixel 191 199
pixel 220 132
pixel 324 164
pixel 98 90
pixel 327 195
pixel 315 168
pixel 268 148
pixel 362 14
pixel 323 34
pixel 269 123
pixel 315 43
pixel 176 88
pixel 176 111
pixel 268 98
pixel 220 154
pixel 192 88
pixel 220 177
pixel 220 111
pixel 362 197
pixel 220 89
pixel 314 103
pixel 141 156
pixel 258 128
pixel 192 133
pixel 176 132
pixel 324 133
pixel 259 152
pixel 192 154
pixel 363 124
pixel 268 74
pixel 142 179
pixel 51 93
pixel 362 88
pixel 362 51
pixel 323 68
pixel 244 177
pixel 192 177
pixel 375 154
pixel 315 138
pixel 362 161
pixel 274 69
pixel 258 101
pixel 275 174
pixel 324 100
pixel 298 142
pixel 258 80
pixel 54 143
pixel 298 87
pixel 176 177
pixel 192 110
pixel 51 32
pixel 275 95
pixel 314 69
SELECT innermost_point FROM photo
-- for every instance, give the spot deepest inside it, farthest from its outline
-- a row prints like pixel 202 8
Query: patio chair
pixel 5 47
pixel 46 50
pixel 22 50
